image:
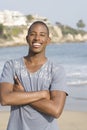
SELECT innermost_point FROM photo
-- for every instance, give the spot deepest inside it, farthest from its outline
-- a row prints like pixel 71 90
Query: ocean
pixel 73 57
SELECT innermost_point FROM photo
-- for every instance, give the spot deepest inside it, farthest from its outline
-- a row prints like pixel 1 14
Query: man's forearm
pixel 22 98
pixel 53 106
pixel 45 106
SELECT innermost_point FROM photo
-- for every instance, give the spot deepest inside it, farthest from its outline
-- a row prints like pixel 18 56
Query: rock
pixel 85 37
pixel 68 38
pixel 78 37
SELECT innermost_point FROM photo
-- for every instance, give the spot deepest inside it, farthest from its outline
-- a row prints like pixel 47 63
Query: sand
pixel 69 120
pixel 4 116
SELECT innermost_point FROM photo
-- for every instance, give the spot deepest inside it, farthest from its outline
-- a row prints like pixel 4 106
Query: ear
pixel 49 40
pixel 27 38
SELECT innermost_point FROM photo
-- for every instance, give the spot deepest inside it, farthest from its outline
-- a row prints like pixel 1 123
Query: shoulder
pixel 12 62
pixel 55 66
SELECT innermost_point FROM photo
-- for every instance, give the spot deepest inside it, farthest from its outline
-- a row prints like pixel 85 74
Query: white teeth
pixel 36 44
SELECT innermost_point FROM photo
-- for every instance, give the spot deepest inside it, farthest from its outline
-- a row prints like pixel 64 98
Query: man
pixel 34 86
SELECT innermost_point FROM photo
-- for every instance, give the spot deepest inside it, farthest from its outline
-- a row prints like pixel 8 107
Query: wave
pixel 78 82
pixel 76 74
pixel 79 98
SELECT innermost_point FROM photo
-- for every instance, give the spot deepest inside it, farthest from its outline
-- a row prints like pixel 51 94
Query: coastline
pixel 69 120
pixel 24 43
pixel 12 44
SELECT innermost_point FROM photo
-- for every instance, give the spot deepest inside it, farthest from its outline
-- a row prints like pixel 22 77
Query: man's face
pixel 38 38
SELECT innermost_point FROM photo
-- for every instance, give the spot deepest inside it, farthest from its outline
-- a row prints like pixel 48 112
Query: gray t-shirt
pixel 50 76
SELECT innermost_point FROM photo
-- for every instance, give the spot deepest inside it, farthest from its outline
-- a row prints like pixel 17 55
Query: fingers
pixel 17 81
pixel 17 84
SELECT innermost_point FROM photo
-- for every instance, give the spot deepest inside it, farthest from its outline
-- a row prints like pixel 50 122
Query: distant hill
pixel 13 32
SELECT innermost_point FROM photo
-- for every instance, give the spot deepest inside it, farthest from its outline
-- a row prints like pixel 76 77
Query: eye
pixel 32 34
pixel 42 34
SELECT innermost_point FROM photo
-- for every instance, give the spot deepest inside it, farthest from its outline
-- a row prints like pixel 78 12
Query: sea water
pixel 73 57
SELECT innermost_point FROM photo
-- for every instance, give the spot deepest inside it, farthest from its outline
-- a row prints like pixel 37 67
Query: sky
pixel 67 12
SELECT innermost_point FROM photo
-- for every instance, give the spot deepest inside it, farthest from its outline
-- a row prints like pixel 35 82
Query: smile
pixel 36 44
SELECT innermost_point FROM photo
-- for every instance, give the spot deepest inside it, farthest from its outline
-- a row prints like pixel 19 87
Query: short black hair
pixel 39 22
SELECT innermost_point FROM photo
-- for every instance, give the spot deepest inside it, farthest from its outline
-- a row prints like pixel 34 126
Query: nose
pixel 37 37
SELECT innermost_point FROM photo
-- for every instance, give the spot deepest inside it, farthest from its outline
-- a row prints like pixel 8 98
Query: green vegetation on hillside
pixel 7 32
pixel 69 30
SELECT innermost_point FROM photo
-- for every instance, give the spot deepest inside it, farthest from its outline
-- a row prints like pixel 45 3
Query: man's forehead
pixel 37 25
pixel 43 26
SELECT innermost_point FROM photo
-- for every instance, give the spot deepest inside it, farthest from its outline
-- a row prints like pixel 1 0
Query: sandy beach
pixel 69 120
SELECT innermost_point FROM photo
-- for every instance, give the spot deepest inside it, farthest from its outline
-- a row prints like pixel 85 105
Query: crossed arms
pixel 50 103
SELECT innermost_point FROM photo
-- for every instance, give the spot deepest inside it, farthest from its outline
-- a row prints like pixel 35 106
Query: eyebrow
pixel 36 32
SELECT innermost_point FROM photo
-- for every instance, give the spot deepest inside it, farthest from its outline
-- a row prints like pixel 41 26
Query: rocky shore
pixel 55 34
pixel 13 29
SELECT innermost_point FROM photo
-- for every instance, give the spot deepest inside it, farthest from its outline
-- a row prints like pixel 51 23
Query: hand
pixel 17 85
pixel 46 94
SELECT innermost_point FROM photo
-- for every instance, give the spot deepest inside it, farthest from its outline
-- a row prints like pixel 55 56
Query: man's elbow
pixel 3 103
pixel 3 100
pixel 57 114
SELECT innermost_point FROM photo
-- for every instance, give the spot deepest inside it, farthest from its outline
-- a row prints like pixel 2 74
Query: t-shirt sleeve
pixel 59 80
pixel 7 73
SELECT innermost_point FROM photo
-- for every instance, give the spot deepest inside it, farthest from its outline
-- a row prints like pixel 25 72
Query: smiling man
pixel 34 86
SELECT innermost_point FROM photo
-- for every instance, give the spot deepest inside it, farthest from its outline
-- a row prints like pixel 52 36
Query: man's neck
pixel 36 59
